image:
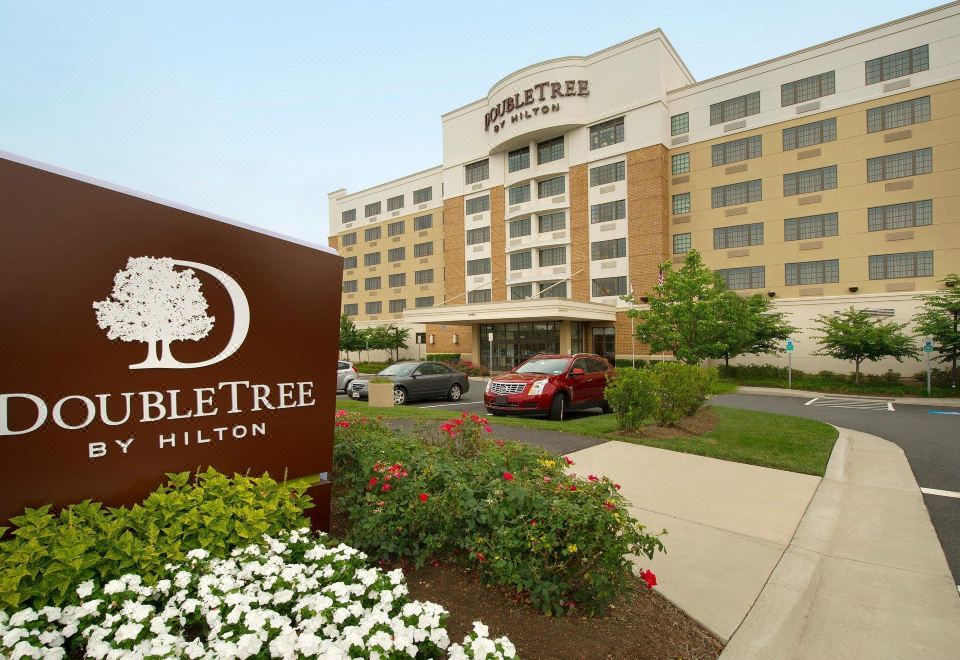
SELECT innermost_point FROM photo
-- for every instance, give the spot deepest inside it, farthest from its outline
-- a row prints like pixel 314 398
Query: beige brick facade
pixel 498 231
pixel 647 190
pixel 579 234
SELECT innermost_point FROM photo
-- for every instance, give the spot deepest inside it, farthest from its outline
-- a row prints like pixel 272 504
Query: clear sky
pixel 256 110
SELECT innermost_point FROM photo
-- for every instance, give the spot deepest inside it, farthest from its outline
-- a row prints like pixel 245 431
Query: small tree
pixel 939 317
pixel 854 335
pixel 752 326
pixel 396 339
pixel 350 338
pixel 686 315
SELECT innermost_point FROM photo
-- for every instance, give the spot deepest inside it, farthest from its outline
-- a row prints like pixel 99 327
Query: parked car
pixel 346 374
pixel 418 380
pixel 550 385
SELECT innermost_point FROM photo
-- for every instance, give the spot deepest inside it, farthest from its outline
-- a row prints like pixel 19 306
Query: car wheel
pixel 346 386
pixel 558 407
pixel 399 396
pixel 455 392
pixel 605 407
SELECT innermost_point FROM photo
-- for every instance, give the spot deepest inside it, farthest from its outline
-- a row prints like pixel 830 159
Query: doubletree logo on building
pixel 159 301
pixel 532 102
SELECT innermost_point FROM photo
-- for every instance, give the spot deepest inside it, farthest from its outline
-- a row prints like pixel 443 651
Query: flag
pixel 660 276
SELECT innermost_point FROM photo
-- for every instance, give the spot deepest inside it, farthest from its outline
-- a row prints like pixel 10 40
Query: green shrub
pixel 371 367
pixel 938 377
pixel 49 555
pixel 627 363
pixel 630 393
pixel 507 509
pixel 443 357
pixel 469 368
pixel 679 390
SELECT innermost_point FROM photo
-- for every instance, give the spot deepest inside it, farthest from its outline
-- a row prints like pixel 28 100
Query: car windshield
pixel 544 366
pixel 399 369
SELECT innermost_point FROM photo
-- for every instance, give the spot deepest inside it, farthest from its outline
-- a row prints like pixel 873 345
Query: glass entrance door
pixel 605 342
pixel 515 342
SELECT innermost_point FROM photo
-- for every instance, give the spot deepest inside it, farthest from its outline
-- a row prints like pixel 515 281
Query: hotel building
pixel 825 178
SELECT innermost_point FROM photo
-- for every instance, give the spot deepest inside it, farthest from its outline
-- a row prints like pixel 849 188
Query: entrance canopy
pixel 513 311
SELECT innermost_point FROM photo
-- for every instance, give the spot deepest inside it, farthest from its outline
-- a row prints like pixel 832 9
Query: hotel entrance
pixel 515 342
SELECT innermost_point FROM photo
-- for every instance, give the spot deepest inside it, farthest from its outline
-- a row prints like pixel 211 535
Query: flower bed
pixel 507 509
pixel 293 595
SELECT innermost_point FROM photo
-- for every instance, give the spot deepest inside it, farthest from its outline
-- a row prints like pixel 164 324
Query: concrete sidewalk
pixel 864 576
pixel 806 394
pixel 728 523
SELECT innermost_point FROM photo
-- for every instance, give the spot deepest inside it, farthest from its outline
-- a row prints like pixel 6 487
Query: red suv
pixel 550 385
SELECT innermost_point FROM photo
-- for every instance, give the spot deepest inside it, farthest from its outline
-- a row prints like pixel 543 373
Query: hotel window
pixel 552 221
pixel 351 309
pixel 371 259
pixel 737 150
pixel 553 289
pixel 518 159
pixel 681 243
pixel 478 235
pixel 810 226
pixel 395 228
pixel 397 306
pixel 742 106
pixel 898 216
pixel 424 301
pixel 520 228
pixel 423 249
pixel 521 260
pixel 374 307
pixel 371 234
pixel 550 187
pixel 680 124
pixel 894 115
pixel 422 222
pixel 550 150
pixel 735 194
pixel 521 291
pixel 807 89
pixel 477 205
pixel 371 209
pixel 680 163
pixel 908 163
pixel 608 211
pixel 371 283
pixel 423 276
pixel 905 264
pixel 608 173
pixel 394 203
pixel 898 64
pixel 751 277
pixel 479 296
pixel 555 256
pixel 807 135
pixel 349 262
pixel 612 249
pixel 738 236
pixel 681 203
pixel 610 286
pixel 396 254
pixel 812 272
pixel 479 171
pixel 478 266
pixel 519 194
pixel 809 181
pixel 349 286
pixel 398 279
pixel 606 134
pixel 349 239
pixel 348 216
pixel 423 195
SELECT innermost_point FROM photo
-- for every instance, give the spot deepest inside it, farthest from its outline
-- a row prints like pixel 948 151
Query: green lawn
pixel 743 436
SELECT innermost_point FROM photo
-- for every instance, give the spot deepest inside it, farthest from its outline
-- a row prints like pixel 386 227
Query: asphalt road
pixel 930 441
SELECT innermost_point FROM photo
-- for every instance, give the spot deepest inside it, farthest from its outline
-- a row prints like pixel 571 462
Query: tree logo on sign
pixel 154 303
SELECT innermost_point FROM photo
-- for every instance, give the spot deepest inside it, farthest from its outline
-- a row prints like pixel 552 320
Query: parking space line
pixel 811 401
pixel 459 403
pixel 941 493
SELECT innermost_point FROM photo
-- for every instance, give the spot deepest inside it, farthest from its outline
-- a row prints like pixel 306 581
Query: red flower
pixel 372 482
pixel 592 477
pixel 574 487
pixel 424 497
pixel 567 459
pixel 609 506
pixel 617 486
pixel 386 487
pixel 488 429
pixel 546 480
pixel 649 578
pixel 508 476
pixel 501 443
pixel 344 425
pixel 533 522
pixel 481 557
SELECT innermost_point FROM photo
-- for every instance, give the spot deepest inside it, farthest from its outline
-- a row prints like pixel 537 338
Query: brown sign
pixel 531 102
pixel 137 338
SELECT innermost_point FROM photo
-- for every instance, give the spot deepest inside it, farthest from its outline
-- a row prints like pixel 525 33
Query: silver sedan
pixel 418 380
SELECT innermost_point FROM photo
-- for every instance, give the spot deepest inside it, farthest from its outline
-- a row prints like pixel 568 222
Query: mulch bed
pixel 647 626
pixel 703 422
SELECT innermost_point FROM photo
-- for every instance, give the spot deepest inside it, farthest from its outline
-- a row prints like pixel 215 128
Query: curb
pixel 807 394
pixel 864 575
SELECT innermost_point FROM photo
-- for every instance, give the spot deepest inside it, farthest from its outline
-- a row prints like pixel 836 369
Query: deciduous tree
pixel 939 318
pixel 856 336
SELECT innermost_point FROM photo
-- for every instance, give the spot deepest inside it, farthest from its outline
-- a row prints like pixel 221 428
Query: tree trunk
pixel 856 372
pixel 726 360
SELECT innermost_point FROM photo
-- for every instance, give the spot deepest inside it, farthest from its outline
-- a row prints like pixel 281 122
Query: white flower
pixel 199 553
pixel 85 589
pixel 22 617
pixel 128 631
pixel 480 629
pixel 248 645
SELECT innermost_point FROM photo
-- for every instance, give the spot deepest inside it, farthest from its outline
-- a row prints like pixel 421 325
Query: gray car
pixel 346 374
pixel 418 380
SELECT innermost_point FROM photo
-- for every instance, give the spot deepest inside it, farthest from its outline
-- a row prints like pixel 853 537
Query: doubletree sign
pixel 139 338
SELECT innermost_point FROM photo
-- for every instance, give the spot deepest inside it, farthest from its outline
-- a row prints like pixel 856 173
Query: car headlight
pixel 537 387
pixel 489 385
